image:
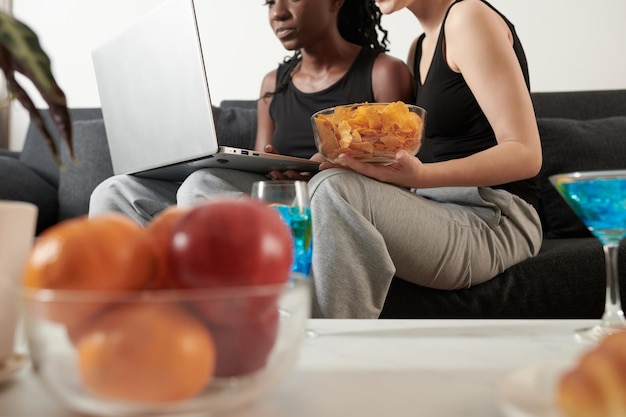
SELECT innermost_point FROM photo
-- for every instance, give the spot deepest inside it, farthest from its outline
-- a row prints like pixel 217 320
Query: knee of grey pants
pixel 347 281
pixel 213 182
pixel 142 198
pixel 137 197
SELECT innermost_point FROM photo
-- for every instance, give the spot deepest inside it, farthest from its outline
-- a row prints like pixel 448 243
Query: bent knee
pixel 336 181
pixel 104 196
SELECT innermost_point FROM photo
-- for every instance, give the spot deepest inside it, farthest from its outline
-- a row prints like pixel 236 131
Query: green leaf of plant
pixel 21 52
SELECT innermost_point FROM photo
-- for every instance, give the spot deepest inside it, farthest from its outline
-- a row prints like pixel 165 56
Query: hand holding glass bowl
pixel 370 132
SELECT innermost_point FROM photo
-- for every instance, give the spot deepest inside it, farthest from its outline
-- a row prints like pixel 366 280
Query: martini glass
pixel 599 199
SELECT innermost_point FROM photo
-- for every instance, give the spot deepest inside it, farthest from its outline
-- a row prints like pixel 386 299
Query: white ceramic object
pixel 17 231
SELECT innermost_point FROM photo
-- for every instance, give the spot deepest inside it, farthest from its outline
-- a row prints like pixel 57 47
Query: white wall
pixel 570 44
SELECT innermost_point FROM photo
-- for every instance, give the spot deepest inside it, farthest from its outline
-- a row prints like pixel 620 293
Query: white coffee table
pixel 443 368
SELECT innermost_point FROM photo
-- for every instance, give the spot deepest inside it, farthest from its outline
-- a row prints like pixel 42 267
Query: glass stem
pixel 613 314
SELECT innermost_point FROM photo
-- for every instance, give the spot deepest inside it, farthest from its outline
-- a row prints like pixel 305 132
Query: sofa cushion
pixel 565 280
pixel 580 105
pixel 36 152
pixel 94 166
pixel 235 126
pixel 576 145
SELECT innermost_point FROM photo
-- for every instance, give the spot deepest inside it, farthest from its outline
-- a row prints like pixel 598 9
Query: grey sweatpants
pixel 143 198
pixel 365 232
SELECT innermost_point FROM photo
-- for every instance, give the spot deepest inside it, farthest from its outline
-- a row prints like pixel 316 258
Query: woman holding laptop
pixel 338 59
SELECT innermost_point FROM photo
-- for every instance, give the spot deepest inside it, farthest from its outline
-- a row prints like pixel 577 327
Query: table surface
pixel 384 368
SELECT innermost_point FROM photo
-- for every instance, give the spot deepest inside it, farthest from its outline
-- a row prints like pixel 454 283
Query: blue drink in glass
pixel 299 221
pixel 600 203
pixel 599 199
pixel 291 201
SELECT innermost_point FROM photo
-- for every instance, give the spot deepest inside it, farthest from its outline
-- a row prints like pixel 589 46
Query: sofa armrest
pixel 21 183
pixel 10 154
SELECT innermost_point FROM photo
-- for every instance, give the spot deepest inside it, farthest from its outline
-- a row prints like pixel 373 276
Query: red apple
pixel 241 243
pixel 244 330
pixel 231 242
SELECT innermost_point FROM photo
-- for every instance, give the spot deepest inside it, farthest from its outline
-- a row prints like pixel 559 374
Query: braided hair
pixel 358 22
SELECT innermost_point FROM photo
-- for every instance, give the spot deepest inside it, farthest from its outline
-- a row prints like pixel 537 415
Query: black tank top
pixel 291 109
pixel 456 126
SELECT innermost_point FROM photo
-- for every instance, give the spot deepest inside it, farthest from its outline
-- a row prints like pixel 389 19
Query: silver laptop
pixel 156 103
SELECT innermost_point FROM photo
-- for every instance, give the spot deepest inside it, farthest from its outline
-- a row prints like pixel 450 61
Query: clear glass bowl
pixel 81 341
pixel 370 132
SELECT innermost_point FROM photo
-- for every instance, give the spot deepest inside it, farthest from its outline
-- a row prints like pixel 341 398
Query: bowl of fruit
pixel 370 132
pixel 172 319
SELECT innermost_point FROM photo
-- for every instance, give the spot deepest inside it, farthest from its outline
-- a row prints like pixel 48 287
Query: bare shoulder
pixel 388 64
pixel 469 8
pixel 268 84
pixel 391 79
pixel 474 16
pixel 475 33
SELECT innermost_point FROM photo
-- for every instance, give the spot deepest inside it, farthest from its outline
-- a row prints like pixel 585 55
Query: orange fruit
pixel 110 253
pixel 160 230
pixel 150 352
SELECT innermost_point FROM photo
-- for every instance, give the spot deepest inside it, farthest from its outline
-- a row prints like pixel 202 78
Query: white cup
pixel 17 230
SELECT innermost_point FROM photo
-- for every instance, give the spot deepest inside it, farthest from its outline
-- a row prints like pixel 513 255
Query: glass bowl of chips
pixel 370 132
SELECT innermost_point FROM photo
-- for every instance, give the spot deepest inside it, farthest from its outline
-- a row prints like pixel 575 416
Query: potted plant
pixel 20 52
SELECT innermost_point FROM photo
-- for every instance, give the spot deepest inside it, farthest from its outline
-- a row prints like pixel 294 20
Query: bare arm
pixel 479 46
pixel 265 124
pixel 392 80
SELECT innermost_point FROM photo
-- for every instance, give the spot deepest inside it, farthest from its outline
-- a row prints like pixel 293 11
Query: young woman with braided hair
pixel 338 59
pixel 358 22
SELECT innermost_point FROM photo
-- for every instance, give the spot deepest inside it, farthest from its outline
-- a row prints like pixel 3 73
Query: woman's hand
pixel 291 174
pixel 405 172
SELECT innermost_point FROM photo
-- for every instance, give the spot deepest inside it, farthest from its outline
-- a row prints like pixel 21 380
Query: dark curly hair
pixel 359 23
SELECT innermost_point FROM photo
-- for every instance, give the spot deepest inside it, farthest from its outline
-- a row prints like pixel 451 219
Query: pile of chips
pixel 368 131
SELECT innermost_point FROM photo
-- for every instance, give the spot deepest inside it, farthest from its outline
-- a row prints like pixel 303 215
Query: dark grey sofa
pixel 579 131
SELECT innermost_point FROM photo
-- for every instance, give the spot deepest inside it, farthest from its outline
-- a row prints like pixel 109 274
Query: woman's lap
pixel 431 242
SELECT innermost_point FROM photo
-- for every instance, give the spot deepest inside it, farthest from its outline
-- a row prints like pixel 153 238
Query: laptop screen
pixel 154 92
